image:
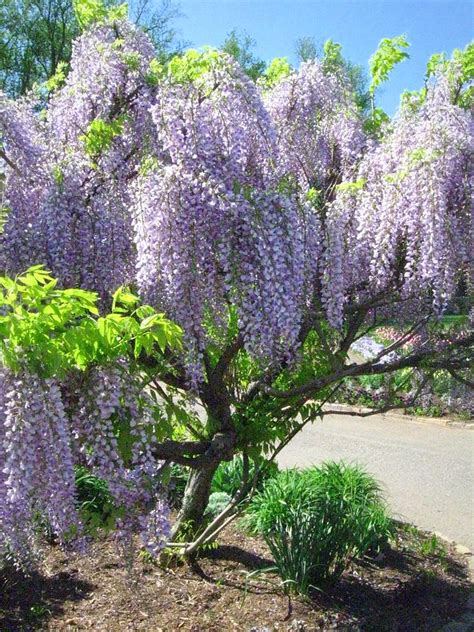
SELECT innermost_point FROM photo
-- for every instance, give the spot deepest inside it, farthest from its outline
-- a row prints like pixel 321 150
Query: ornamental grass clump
pixel 315 521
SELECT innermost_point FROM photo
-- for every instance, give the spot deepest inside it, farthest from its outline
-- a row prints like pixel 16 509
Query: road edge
pixel 464 623
pixel 397 416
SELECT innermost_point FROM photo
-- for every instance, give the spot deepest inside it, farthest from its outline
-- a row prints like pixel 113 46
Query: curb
pixel 396 416
pixel 465 623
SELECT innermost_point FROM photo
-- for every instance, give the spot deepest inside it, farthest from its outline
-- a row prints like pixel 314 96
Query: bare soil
pixel 407 590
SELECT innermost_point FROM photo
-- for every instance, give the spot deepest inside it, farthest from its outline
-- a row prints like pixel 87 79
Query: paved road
pixel 427 470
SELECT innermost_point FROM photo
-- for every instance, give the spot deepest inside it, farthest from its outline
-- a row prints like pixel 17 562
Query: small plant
pixel 95 502
pixel 316 520
pixel 433 547
pixel 218 501
pixel 176 484
pixel 38 612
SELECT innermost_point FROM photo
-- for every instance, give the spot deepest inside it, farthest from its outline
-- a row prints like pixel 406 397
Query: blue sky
pixel 430 25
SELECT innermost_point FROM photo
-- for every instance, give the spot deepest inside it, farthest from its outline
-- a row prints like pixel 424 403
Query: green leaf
pixel 277 70
pixel 389 53
pixel 100 135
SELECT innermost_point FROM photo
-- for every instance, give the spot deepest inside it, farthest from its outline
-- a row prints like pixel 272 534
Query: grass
pixel 315 521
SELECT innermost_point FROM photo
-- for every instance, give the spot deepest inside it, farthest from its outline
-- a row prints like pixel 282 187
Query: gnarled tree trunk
pixel 196 498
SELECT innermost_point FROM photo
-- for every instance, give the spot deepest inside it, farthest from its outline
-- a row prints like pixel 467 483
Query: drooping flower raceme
pixel 67 192
pixel 404 226
pixel 211 227
pixel 44 436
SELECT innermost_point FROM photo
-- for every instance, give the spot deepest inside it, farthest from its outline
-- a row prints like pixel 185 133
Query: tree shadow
pixel 232 553
pixel 252 562
pixel 28 601
pixel 423 603
pixel 400 594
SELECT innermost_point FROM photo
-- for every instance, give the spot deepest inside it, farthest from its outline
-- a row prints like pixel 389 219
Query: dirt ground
pixel 415 587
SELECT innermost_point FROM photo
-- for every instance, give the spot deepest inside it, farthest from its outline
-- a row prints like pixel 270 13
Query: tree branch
pixel 372 367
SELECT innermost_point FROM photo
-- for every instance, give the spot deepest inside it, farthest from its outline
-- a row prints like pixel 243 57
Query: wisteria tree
pixel 268 221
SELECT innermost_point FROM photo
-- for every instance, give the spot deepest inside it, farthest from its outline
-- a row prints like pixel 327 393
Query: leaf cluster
pixel 90 12
pixel 100 135
pixel 390 52
pixel 52 331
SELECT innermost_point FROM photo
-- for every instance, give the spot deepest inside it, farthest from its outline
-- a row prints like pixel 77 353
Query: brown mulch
pixel 407 590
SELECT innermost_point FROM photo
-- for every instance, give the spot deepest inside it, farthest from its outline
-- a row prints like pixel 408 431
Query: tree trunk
pixel 196 498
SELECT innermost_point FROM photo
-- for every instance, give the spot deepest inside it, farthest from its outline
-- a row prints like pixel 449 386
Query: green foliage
pixel 459 71
pixel 351 187
pixel 332 56
pixel 389 53
pixel 279 68
pixel 263 423
pixel 95 502
pixel 239 46
pixel 52 331
pixel 90 12
pixel 316 520
pixel 156 72
pixel 374 124
pixel 100 135
pixel 35 38
pixel 412 99
pixel 429 546
pixel 175 481
pixel 218 501
pixel 192 65
pixel 228 476
pixel 59 77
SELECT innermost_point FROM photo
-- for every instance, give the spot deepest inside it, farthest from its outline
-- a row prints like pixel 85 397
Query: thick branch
pixel 373 367
pixel 9 162
pixel 195 454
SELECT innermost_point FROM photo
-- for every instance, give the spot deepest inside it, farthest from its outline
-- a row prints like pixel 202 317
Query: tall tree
pixel 36 36
pixel 264 223
pixel 239 46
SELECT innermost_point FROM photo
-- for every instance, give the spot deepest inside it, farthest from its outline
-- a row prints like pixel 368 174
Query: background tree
pixel 306 49
pixel 263 222
pixel 36 36
pixel 240 46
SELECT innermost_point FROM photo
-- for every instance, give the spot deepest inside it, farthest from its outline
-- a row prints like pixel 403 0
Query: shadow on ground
pixel 393 594
pixel 27 602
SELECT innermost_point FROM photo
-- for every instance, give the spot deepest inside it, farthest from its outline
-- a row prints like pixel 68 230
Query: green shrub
pixel 94 500
pixel 218 501
pixel 316 520
pixel 228 476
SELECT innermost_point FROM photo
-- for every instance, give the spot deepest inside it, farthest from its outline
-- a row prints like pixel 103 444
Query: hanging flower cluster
pixel 211 227
pixel 67 192
pixel 319 130
pixel 45 435
pixel 404 225
pixel 37 464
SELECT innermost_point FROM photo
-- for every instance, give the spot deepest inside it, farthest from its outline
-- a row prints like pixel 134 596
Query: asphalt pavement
pixel 426 470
